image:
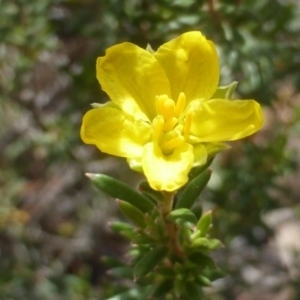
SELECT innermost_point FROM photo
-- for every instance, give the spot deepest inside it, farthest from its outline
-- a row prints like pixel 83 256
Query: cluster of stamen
pixel 171 127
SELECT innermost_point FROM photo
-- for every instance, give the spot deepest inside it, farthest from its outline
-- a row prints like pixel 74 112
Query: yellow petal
pixel 191 64
pixel 135 164
pixel 115 132
pixel 225 120
pixel 132 78
pixel 200 155
pixel 214 148
pixel 167 173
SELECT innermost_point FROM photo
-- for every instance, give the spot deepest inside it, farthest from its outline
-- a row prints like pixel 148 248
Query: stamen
pixel 179 128
pixel 169 135
pixel 188 123
pixel 169 107
pixel 160 100
pixel 170 145
pixel 169 125
pixel 180 105
pixel 158 124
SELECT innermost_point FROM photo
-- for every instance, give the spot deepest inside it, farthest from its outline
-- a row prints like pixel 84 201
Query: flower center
pixel 171 127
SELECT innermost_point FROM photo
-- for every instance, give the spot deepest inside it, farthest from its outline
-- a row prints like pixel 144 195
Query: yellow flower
pixel 162 114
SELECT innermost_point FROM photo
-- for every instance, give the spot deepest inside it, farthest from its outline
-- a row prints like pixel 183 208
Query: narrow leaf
pixel 149 221
pixel 111 262
pixel 194 291
pixel 193 190
pixel 204 243
pixel 131 294
pixel 118 226
pixel 182 216
pixel 121 272
pixel 214 244
pixel 202 260
pixel 156 195
pixel 204 223
pixel 124 229
pixel 149 261
pixel 166 272
pixel 132 213
pixel 198 170
pixel 200 242
pixel 197 210
pixel 142 239
pixel 202 280
pixel 120 190
pixel 180 288
pixel 162 288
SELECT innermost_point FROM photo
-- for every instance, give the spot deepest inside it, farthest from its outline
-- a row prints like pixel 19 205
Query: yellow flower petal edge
pixel 167 172
pixel 191 64
pixel 132 78
pixel 162 117
pixel 115 132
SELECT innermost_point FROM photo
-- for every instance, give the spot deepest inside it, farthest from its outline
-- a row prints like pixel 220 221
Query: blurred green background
pixel 53 223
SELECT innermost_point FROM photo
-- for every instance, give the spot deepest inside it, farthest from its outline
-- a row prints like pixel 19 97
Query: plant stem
pixel 171 228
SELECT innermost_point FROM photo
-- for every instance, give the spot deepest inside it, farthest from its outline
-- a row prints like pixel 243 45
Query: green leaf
pixel 197 210
pixel 202 260
pixel 194 291
pixel 166 272
pixel 149 261
pixel 155 195
pixel 162 288
pixel 225 92
pixel 204 223
pixel 133 294
pixel 117 226
pixel 132 213
pixel 200 242
pixel 121 272
pixel 150 222
pixel 178 268
pixel 124 229
pixel 142 239
pixel 202 280
pixel 155 226
pixel 183 217
pixel 199 169
pixel 214 274
pixel 193 190
pixel 120 190
pixel 209 244
pixel 111 262
pixel 180 288
pixel 214 244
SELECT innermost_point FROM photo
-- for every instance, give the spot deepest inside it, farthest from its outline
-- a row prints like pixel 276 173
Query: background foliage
pixel 53 223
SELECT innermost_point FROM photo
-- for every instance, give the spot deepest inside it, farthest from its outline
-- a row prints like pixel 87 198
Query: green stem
pixel 171 228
